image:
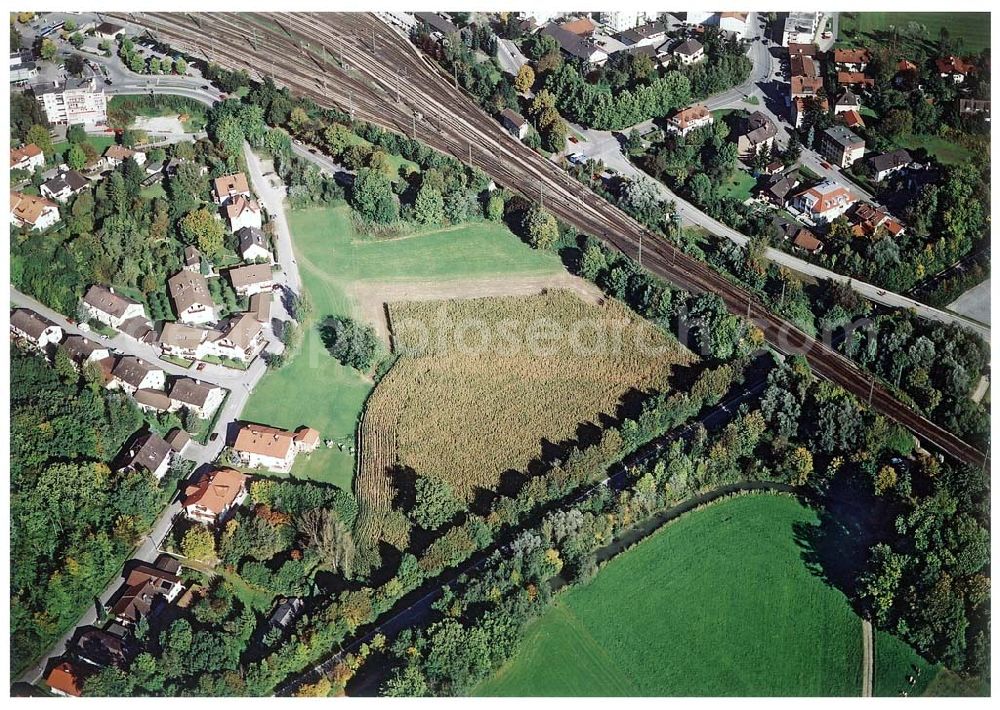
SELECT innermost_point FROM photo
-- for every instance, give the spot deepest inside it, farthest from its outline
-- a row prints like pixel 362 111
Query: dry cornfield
pixel 483 384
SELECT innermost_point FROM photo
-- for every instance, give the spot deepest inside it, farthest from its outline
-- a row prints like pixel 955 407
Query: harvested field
pixel 487 386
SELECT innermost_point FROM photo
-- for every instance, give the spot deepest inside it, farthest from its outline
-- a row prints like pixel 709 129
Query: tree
pixel 352 343
pixel 525 78
pixel 540 228
pixel 429 206
pixel 180 66
pixel 199 544
pixel 201 228
pixel 70 25
pixel 76 39
pixel 434 504
pixel 495 207
pixel 63 364
pixel 74 65
pixel 76 158
pixel 48 49
pixel 39 135
pixel 372 197
pixel 329 538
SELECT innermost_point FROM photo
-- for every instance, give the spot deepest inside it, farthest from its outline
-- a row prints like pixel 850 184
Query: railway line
pixel 356 62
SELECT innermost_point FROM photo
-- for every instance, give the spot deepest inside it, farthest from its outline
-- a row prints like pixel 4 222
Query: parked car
pixel 201 366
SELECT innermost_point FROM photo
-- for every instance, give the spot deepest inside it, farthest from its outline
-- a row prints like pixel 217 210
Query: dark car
pixel 204 87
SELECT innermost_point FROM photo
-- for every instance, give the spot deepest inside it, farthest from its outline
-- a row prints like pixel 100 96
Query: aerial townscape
pixel 561 354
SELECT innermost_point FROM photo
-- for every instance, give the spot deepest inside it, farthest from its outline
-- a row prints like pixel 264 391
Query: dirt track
pixel 371 296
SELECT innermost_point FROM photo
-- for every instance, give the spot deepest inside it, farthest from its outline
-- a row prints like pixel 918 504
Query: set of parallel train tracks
pixel 360 64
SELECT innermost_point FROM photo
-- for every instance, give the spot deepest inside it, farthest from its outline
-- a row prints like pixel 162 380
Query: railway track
pixel 354 61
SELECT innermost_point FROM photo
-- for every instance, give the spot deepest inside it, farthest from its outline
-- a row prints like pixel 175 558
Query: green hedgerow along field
pixel 719 602
pixel 479 390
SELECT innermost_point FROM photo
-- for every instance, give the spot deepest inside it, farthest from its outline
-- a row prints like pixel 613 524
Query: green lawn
pixel 947 152
pixel 397 161
pixel 738 186
pixel 99 141
pixel 314 389
pixel 972 27
pixel 895 662
pixel 718 603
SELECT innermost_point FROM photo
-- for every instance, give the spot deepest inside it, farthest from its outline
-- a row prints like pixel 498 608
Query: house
pixel 100 648
pixel 690 51
pixel 131 373
pixel 214 495
pixel 29 157
pixel 251 279
pixel 66 679
pixel 139 328
pixel 841 146
pixel 954 68
pixel 83 351
pixel 242 212
pixel 34 329
pixel 149 400
pixel 690 119
pixel 192 258
pixel 273 449
pixel 576 45
pixel 178 440
pixel 436 23
pixel 803 65
pixel 182 340
pixel 148 452
pixel 871 222
pixel 649 34
pixel 192 300
pixel 854 78
pixel 733 24
pixel 254 245
pixel 802 50
pixel 146 590
pixel 260 306
pixel 22 68
pixel 886 164
pixel 241 339
pixel 200 398
pixel 805 87
pixel 852 60
pixel 974 107
pixel 64 185
pixel 115 155
pixel 907 74
pixel 72 101
pixel 779 187
pixel 847 101
pixel 758 133
pixel 853 119
pixel 799 28
pixel 228 187
pixel 824 202
pixel 807 241
pixel 287 611
pixel 108 30
pixel 110 308
pixel 515 123
pixel 32 212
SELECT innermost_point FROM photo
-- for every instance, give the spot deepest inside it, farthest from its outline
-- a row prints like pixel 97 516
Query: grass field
pixel 316 390
pixel 972 27
pixel 718 603
pixel 738 186
pixel 100 143
pixel 946 151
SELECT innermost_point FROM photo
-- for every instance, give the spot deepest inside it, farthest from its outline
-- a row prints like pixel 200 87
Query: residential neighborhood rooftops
pixel 148 452
pixel 250 237
pixel 827 195
pixel 571 43
pixel 188 288
pixel 28 208
pixel 249 275
pixel 583 26
pixel 238 205
pixel 843 136
pixel 954 65
pixel 436 22
pixel 67 679
pixel 138 328
pixel 307 436
pixel 853 119
pixel 848 98
pixel 854 78
pixel 973 106
pixel 100 648
pixel 688 47
pixel 79 348
pixel 242 330
pixel 760 128
pixel 180 335
pixel 514 117
pixel 178 439
pixel 154 399
pixel 685 117
pixel 189 391
pixel 28 151
pixel 649 30
pixel 66 180
pixel 804 65
pixel 192 257
pixel 231 185
pixel 216 490
pixel 891 160
pixel 108 29
pixel 260 306
pixel 30 322
pixel 804 239
pixel 263 441
pixel 806 85
pixel 118 152
pixel 107 301
pixel 132 370
pixel 858 55
pixel 808 50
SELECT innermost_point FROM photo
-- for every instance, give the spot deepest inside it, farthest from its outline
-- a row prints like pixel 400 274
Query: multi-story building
pixel 799 28
pixel 824 202
pixel 841 146
pixel 31 211
pixel 690 119
pixel 192 299
pixel 76 101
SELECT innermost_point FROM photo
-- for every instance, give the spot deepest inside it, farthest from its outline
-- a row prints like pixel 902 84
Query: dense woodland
pixel 73 519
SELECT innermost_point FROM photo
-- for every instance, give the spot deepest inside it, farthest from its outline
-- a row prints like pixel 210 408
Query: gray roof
pixel 637 34
pixel 251 236
pixel 80 348
pixel 688 47
pixel 514 117
pixel 107 301
pixel 848 98
pixel 571 43
pixel 760 128
pixel 69 178
pixel 132 370
pixel 189 391
pixel 891 160
pixel 153 398
pixel 188 288
pixel 249 275
pixel 286 612
pixel 843 136
pixel 436 22
pixel 178 439
pixel 136 327
pixel 147 452
pixel 30 322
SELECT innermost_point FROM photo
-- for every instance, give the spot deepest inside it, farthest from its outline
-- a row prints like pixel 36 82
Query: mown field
pixel 477 392
pixel 316 390
pixel 718 603
pixel 972 27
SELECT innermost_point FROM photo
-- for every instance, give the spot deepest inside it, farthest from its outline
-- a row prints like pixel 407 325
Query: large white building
pixel 800 28
pixel 76 101
pixel 621 21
